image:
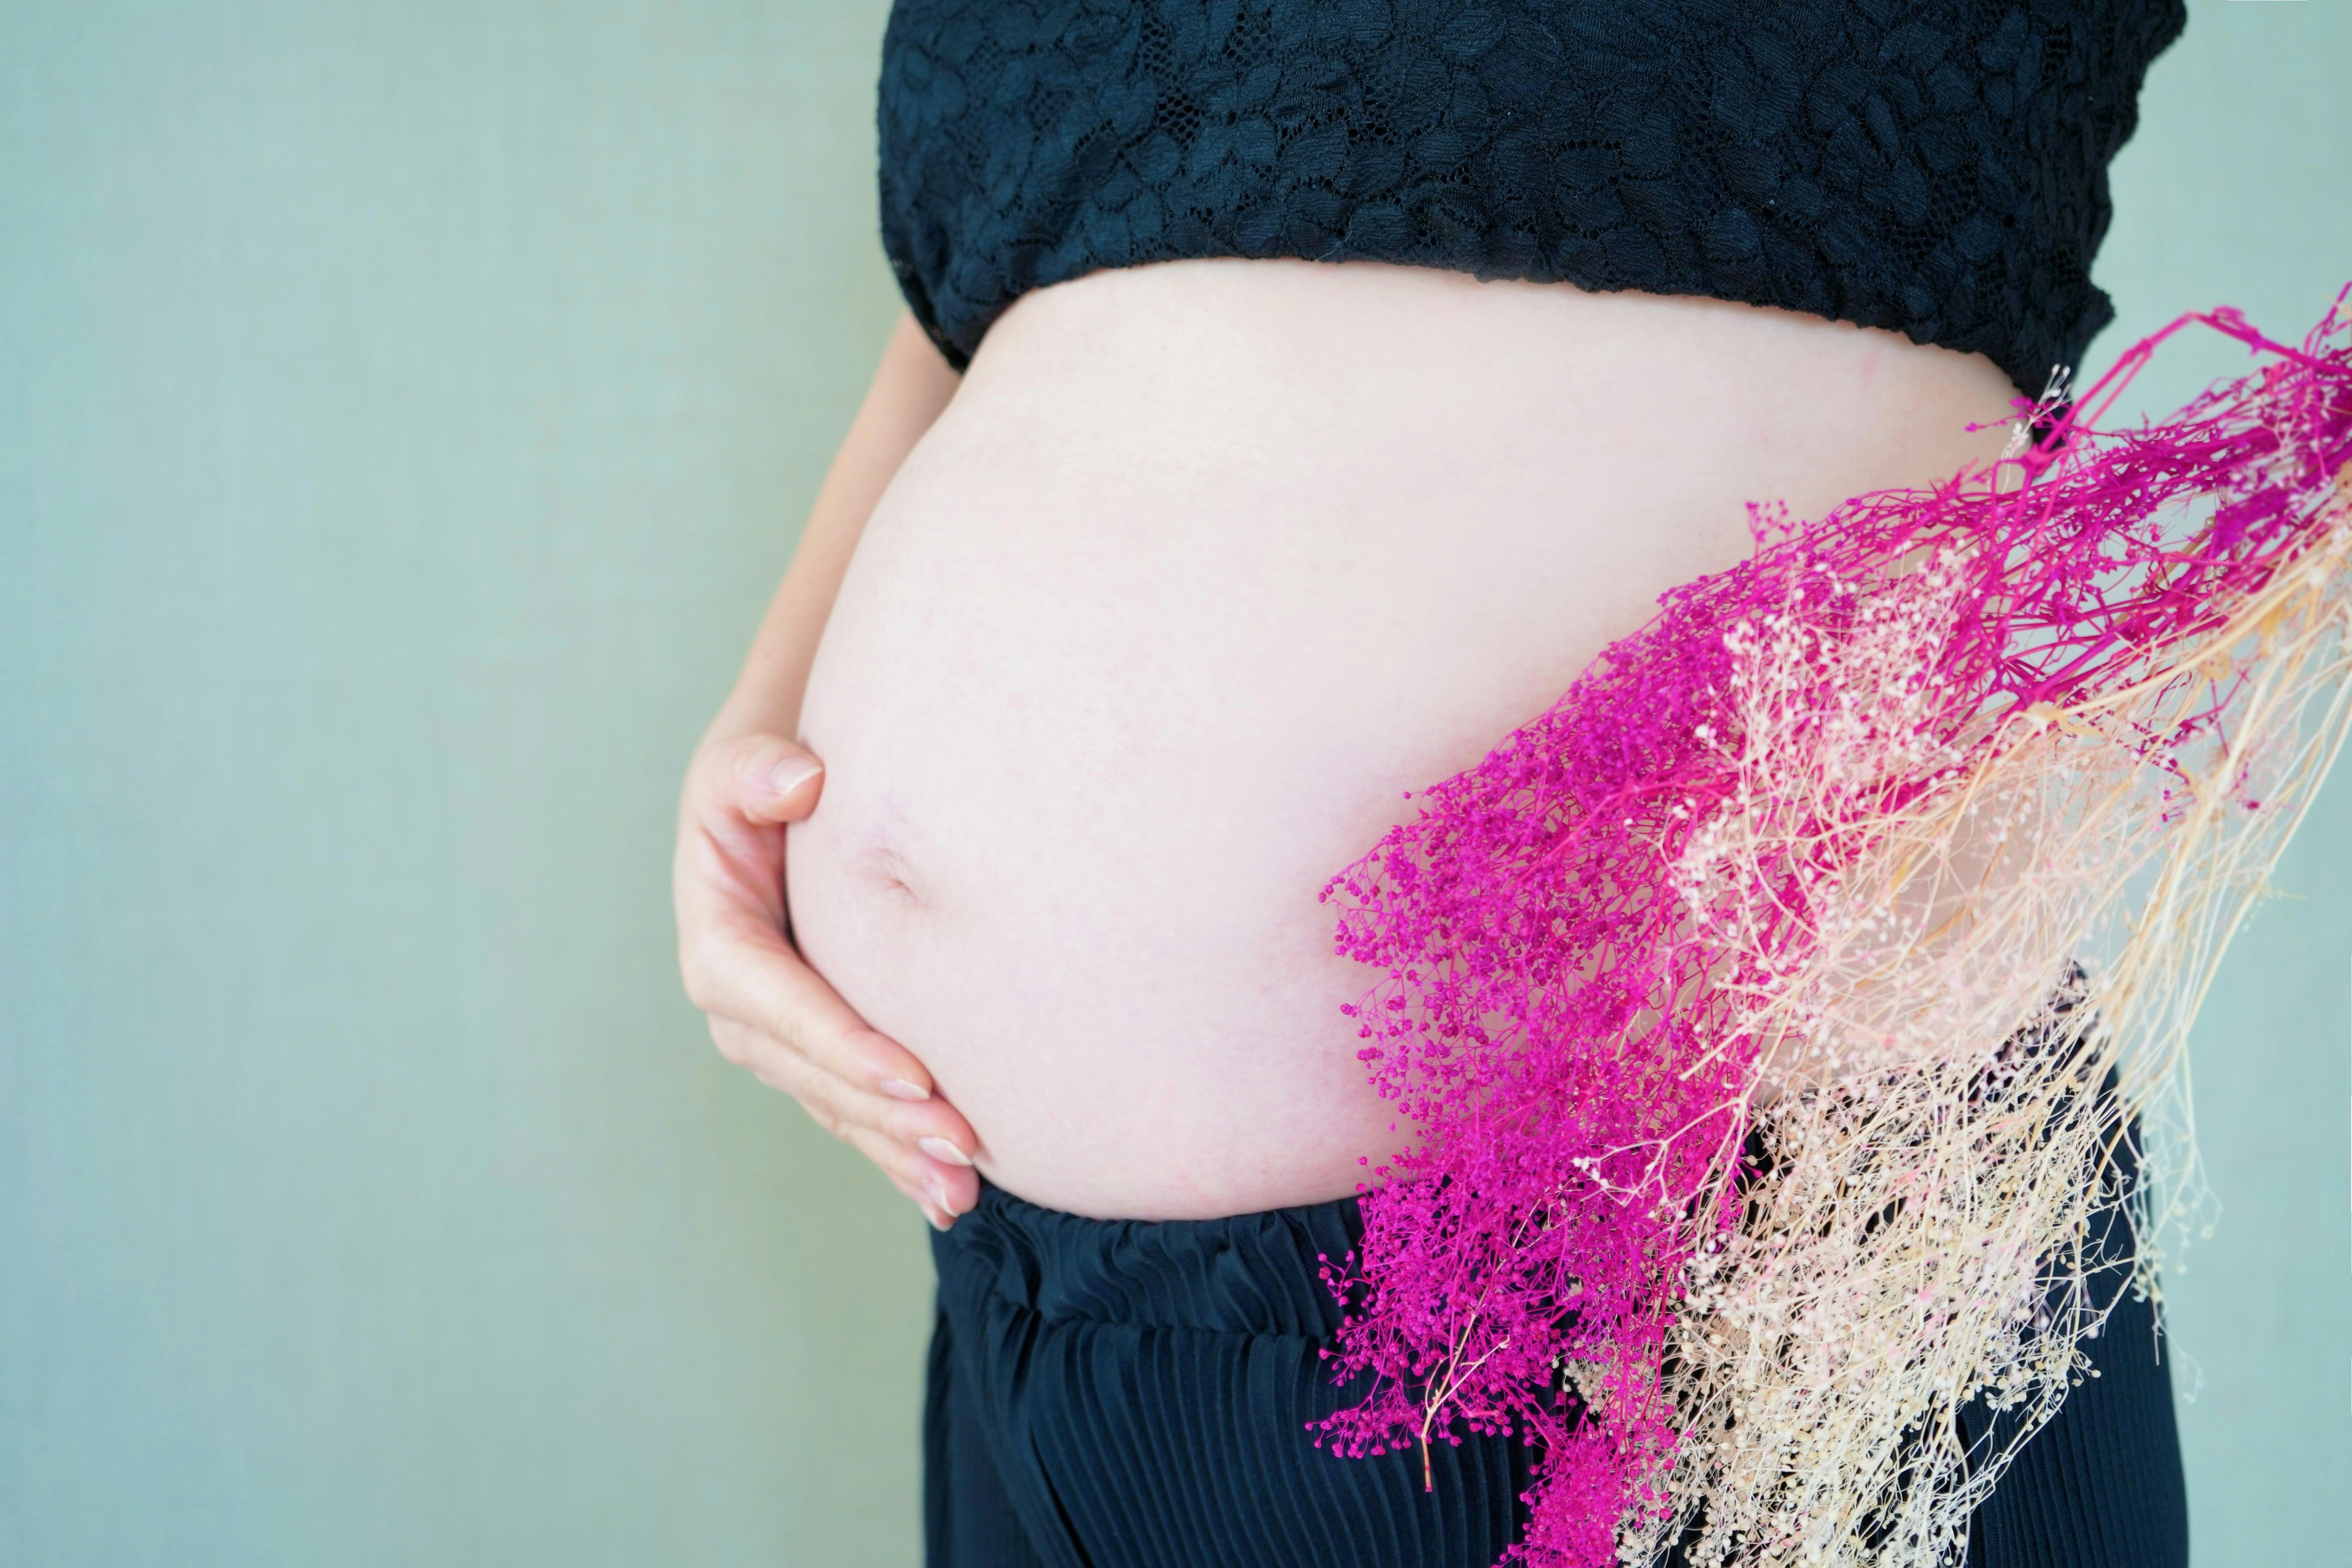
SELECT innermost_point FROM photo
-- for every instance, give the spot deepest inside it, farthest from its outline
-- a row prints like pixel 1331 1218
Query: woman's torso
pixel 1206 564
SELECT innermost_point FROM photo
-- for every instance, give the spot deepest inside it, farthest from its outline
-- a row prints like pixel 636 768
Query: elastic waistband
pixel 1247 1274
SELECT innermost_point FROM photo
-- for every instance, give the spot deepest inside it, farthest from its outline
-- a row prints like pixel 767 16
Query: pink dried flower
pixel 1592 942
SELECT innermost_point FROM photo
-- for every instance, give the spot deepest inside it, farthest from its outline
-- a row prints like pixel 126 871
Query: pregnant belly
pixel 1208 563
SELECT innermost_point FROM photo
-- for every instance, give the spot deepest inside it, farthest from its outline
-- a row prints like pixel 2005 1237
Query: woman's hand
pixel 769 1010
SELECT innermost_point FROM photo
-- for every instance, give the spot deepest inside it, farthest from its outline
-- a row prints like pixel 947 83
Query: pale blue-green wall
pixel 404 409
pixel 2238 190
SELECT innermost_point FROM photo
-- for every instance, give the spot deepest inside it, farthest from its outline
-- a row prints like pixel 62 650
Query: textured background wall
pixel 404 409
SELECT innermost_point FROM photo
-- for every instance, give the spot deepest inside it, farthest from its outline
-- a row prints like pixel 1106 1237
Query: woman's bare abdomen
pixel 1205 565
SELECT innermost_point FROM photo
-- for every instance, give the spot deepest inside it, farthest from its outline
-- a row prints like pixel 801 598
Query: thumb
pixel 766 778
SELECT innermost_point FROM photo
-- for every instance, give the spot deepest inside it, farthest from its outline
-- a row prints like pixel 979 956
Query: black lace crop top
pixel 1937 167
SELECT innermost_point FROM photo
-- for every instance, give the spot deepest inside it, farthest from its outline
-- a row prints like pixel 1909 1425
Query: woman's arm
pixel 910 388
pixel 768 1011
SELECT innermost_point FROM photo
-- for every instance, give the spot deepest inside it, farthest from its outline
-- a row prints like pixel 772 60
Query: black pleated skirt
pixel 1117 1394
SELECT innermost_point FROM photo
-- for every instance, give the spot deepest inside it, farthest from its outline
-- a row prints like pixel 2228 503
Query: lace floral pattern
pixel 1936 167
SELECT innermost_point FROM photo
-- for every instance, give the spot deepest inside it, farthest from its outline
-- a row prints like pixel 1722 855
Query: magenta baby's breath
pixel 1703 992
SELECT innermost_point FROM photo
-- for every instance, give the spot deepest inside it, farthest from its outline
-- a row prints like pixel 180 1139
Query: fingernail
pixel 900 1088
pixel 789 776
pixel 940 1149
pixel 938 1222
pixel 938 1191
